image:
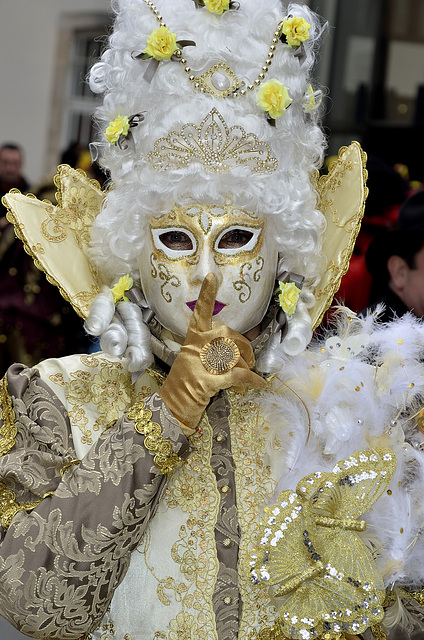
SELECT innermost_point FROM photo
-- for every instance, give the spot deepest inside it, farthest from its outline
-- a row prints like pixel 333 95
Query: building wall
pixel 30 33
pixel 30 42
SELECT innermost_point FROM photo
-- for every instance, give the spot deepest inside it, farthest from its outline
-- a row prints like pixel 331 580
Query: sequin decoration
pixel 214 145
pixel 316 566
pixel 220 355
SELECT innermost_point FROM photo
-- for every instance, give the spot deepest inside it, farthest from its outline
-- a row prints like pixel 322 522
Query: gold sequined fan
pixel 319 571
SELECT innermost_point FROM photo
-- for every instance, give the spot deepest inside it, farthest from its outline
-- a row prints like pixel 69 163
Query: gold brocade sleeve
pixel 77 542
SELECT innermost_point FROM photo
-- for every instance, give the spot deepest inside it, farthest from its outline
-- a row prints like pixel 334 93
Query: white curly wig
pixel 240 38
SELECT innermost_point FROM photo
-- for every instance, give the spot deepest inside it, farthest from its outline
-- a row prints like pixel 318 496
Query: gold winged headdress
pixel 57 236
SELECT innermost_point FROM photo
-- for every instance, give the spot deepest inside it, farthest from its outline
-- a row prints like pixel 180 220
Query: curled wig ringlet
pixel 286 196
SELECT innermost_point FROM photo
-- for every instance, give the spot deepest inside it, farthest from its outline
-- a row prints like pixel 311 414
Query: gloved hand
pixel 190 385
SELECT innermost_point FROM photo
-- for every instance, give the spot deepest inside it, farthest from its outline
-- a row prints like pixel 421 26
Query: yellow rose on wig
pixel 296 31
pixel 117 128
pixel 119 288
pixel 217 6
pixel 288 297
pixel 161 44
pixel 273 97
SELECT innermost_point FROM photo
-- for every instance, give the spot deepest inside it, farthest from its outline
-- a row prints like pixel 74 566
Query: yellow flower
pixel 118 290
pixel 296 31
pixel 273 97
pixel 217 6
pixel 310 101
pixel 161 44
pixel 289 295
pixel 119 127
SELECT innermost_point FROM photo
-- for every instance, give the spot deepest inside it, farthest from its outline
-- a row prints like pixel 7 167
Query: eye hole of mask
pixel 237 238
pixel 174 242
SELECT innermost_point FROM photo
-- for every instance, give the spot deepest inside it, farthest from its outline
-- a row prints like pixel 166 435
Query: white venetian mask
pixel 190 242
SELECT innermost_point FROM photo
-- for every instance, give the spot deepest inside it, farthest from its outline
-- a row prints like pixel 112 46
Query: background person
pixel 395 260
pixel 11 164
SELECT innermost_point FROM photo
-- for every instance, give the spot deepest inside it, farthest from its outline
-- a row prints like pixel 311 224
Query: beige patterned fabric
pixel 186 565
pixel 97 543
pixel 62 561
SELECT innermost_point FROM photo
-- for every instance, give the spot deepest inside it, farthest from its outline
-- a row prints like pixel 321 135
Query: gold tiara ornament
pixel 217 147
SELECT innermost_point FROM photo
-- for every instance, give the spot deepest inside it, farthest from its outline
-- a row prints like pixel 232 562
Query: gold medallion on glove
pixel 220 355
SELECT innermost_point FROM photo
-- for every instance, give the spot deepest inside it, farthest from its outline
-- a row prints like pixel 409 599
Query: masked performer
pixel 209 475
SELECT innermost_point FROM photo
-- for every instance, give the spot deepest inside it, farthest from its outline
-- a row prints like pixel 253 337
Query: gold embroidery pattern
pixel 79 201
pixel 164 458
pixel 215 145
pixel 193 492
pixel 108 388
pixel 337 271
pixel 8 430
pixel 254 486
pixel 184 627
pixel 9 507
pixel 107 630
pixel 418 596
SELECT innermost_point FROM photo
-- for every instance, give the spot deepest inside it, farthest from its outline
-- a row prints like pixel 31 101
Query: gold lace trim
pixel 9 507
pixel 163 458
pixel 186 584
pixel 254 484
pixel 8 431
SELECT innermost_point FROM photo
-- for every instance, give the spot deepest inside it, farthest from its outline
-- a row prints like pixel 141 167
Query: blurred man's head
pixel 11 160
pixel 398 255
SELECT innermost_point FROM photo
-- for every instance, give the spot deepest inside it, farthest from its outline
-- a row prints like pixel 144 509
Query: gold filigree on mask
pixel 241 285
pixel 217 147
pixel 205 213
pixel 162 272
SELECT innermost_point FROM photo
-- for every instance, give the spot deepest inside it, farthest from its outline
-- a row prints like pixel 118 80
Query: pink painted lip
pixel 217 308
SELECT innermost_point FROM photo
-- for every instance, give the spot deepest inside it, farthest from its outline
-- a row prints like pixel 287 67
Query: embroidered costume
pixel 208 475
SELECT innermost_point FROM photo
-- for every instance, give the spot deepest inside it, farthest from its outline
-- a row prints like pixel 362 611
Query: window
pixel 87 45
pixel 79 43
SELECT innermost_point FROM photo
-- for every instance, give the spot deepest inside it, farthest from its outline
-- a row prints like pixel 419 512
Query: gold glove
pixel 209 360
